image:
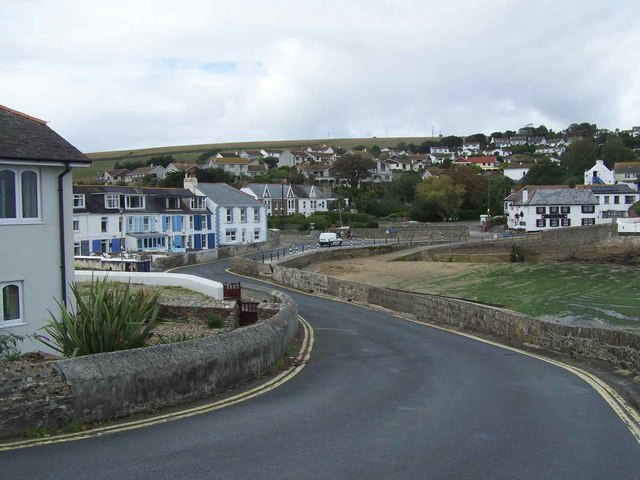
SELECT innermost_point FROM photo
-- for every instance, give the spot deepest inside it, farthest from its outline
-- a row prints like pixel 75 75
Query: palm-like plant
pixel 109 318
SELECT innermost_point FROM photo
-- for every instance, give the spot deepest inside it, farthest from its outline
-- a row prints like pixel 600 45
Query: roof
pixel 553 195
pixel 626 167
pixel 223 194
pixel 23 137
pixel 485 159
pixel 314 167
pixel 154 199
pixel 118 172
pixel 622 188
pixel 230 161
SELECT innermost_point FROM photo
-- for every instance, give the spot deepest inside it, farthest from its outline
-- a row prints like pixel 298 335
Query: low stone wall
pixel 108 385
pixel 618 348
pixel 439 233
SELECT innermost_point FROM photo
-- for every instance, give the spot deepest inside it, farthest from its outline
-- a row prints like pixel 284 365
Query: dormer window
pixel 198 203
pixel 134 202
pixel 173 203
pixel 111 201
pixel 78 200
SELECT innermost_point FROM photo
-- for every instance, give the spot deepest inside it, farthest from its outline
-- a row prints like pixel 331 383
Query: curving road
pixel 381 398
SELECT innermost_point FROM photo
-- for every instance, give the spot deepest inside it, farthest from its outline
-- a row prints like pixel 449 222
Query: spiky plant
pixel 109 318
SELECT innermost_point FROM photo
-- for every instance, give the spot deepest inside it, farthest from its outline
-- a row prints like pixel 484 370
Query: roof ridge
pixel 24 115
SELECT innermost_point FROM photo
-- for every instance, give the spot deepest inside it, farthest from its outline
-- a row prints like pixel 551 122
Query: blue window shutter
pixel 115 245
pixel 211 240
pixel 209 222
pixel 84 247
pixel 197 242
pixel 95 246
pixel 197 223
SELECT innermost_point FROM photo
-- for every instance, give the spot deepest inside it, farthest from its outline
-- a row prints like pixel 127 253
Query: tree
pixel 353 168
pixel 272 162
pixel 581 155
pixel 545 172
pixel 614 151
pixel 437 198
pixel 587 130
pixel 375 151
pixel 403 187
pixel 130 165
pixel 162 160
pixel 477 137
pixel 451 141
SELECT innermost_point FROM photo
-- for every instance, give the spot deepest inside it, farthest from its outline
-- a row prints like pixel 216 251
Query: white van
pixel 328 239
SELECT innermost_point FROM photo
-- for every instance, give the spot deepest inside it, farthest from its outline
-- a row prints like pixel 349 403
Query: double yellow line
pixel 299 363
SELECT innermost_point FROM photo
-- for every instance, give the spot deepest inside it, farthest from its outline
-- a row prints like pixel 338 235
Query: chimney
pixel 190 182
pixel 525 195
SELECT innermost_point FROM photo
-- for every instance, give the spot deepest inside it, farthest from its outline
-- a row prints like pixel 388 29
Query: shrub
pixel 215 320
pixel 9 350
pixel 108 319
pixel 516 254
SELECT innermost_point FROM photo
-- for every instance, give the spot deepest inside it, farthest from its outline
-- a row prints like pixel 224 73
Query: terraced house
pixel 112 220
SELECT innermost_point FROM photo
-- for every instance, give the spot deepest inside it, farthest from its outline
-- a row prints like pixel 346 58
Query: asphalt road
pixel 381 398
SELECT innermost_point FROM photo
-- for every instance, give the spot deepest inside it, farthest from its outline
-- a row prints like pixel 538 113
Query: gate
pixel 248 313
pixel 231 291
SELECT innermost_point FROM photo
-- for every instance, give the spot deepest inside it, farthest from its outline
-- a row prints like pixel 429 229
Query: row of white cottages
pixel 113 219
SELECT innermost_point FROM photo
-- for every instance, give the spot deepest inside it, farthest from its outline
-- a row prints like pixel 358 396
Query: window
pixel 146 224
pixel 291 204
pixel 19 194
pixel 131 224
pixel 229 215
pixel 198 203
pixel 104 224
pixel 203 241
pixel 77 249
pixel 256 234
pixel 191 223
pixel 606 200
pixel 230 235
pixel 173 203
pixel 565 209
pixel 554 210
pixel 629 199
pixel 78 200
pixel 566 222
pixel 314 204
pixel 112 200
pixel 588 209
pixel 76 224
pixel 10 302
pixel 256 215
pixel 541 222
pixel 554 222
pixel 134 201
pixel 588 221
pixel 243 215
pixel 616 199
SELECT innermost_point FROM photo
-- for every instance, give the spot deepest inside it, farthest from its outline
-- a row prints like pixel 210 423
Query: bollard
pixel 254 258
pixel 351 243
pixel 278 252
pixel 374 240
pixel 303 248
pixel 398 239
pixel 263 258
pixel 363 241
pixel 385 240
pixel 411 240
pixel 271 254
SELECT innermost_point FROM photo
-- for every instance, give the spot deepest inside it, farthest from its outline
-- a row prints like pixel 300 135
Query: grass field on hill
pixel 190 153
pixel 571 292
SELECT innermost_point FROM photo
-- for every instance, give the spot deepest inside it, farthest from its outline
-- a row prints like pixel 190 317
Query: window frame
pixel 79 200
pixel 18 200
pixel 127 202
pixel 14 321
pixel 109 199
pixel 588 209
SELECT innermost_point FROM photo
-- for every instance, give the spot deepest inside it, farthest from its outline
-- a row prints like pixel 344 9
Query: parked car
pixel 328 239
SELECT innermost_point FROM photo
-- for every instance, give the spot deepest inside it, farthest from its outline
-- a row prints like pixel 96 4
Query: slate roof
pixel 23 137
pixel 154 199
pixel 554 195
pixel 232 160
pixel 626 167
pixel 621 188
pixel 223 194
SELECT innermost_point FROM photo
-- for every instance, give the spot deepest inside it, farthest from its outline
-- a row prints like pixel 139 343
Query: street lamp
pixel 122 239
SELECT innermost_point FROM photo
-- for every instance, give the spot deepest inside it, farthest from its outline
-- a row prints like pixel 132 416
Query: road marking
pixel 629 416
pixel 300 361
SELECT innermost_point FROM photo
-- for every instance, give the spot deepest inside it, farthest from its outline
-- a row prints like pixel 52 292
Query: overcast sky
pixel 122 74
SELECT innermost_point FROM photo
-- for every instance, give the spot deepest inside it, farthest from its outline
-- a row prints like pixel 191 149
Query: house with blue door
pixel 112 220
pixel 240 219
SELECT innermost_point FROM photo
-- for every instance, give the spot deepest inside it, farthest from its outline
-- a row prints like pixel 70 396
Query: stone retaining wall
pixel 107 385
pixel 618 348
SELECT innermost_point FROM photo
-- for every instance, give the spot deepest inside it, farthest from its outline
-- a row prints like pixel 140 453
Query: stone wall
pixel 109 385
pixel 618 348
pixel 426 233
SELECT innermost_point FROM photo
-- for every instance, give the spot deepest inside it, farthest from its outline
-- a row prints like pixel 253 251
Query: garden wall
pixel 97 387
pixel 617 348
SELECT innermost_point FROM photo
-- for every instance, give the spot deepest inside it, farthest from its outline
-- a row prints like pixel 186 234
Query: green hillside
pixel 190 153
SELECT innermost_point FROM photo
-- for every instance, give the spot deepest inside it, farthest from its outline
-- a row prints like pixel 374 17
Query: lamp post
pixel 282 202
pixel 122 239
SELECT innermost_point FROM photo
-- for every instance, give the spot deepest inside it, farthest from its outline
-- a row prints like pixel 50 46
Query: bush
pixel 215 320
pixel 108 319
pixel 516 254
pixel 9 347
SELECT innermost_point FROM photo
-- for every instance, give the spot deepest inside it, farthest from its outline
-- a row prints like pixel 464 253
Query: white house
pixel 111 220
pixel 516 172
pixel 438 149
pixel 156 171
pixel 628 172
pixel 309 199
pixel 236 166
pixel 35 223
pixel 614 201
pixel 599 174
pixel 320 172
pixel 518 140
pixel 113 176
pixel 283 199
pixel 535 208
pixel 293 158
pixel 241 218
